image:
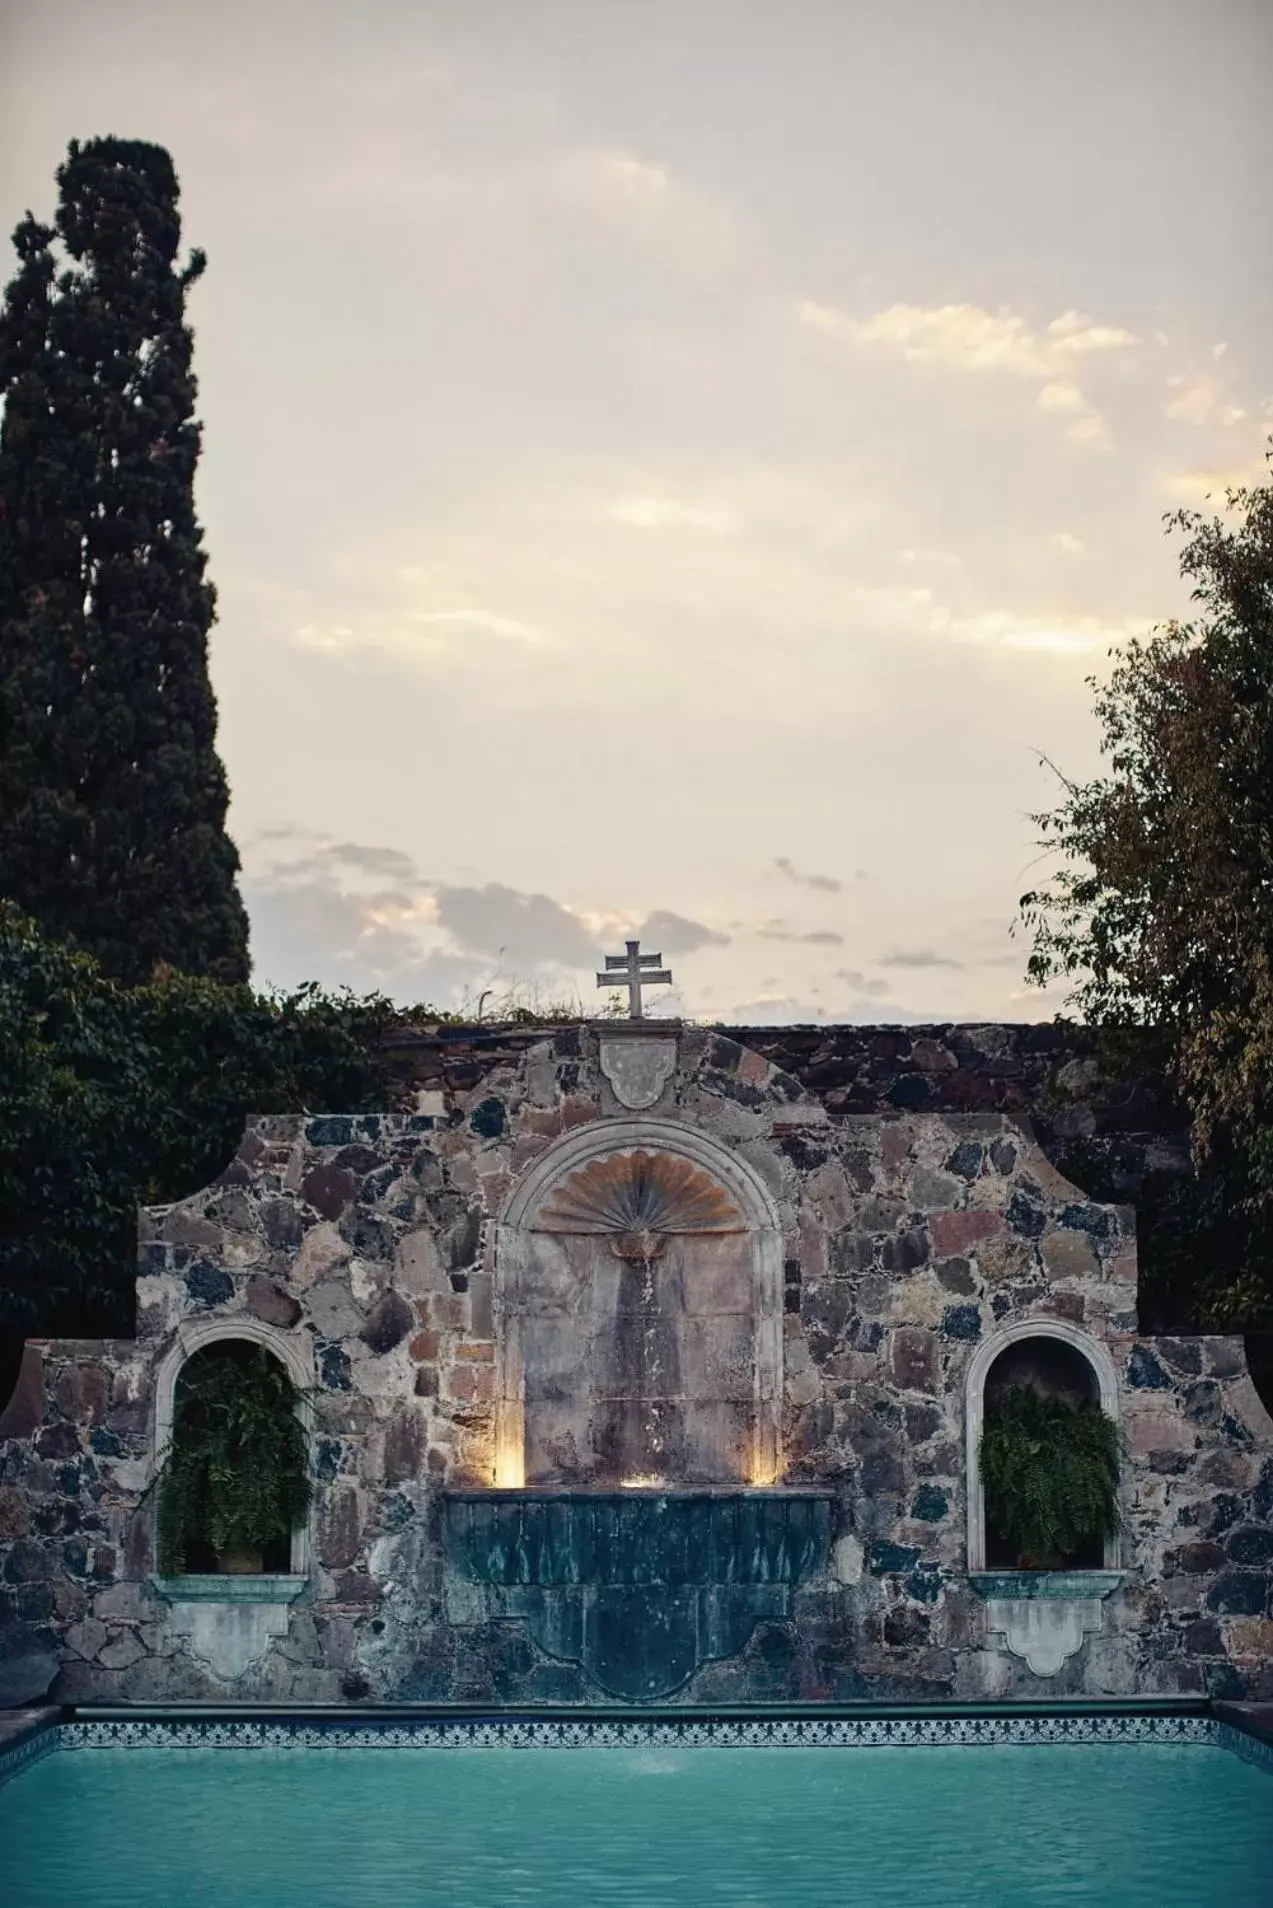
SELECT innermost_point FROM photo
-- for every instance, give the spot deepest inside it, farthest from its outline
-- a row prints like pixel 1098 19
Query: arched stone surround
pixel 515 1250
pixel 293 1352
pixel 979 1369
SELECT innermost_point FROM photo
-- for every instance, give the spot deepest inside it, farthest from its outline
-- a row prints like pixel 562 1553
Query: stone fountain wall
pixel 373 1252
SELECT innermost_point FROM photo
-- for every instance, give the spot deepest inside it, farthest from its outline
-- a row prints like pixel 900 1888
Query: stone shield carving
pixel 637 1070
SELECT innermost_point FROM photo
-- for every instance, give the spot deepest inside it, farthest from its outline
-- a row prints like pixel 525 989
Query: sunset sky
pixel 669 468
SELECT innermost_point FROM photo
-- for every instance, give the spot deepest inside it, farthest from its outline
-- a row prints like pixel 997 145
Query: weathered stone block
pixel 1250 1639
pixel 914 1360
pixel 340 1528
pixel 269 1302
pixel 406 1440
pixel 1239 1593
pixel 1069 1255
pixel 15 1518
pixel 126 1649
pixel 332 1309
pixel 388 1323
pixel 329 1189
pixel 1005 1259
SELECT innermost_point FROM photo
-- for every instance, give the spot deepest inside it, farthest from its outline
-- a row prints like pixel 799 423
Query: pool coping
pixel 73 1727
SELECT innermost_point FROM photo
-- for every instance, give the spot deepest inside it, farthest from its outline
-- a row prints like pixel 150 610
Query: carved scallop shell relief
pixel 640 1199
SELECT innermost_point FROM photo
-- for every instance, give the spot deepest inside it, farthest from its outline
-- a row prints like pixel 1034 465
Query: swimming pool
pixel 1040 1812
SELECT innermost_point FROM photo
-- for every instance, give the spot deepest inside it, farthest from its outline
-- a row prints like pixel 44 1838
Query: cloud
pixel 372 860
pixel 820 937
pixel 918 957
pixel 967 338
pixel 309 930
pixel 664 513
pixel 484 621
pixel 1208 484
pixel 635 176
pixel 789 1010
pixel 675 934
pixel 824 884
pixel 1200 400
pixel 1008 629
pixel 1065 540
pixel 857 979
pixel 521 928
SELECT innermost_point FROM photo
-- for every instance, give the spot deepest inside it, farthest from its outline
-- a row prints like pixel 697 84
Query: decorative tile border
pixel 520 1733
pixel 29 1750
pixel 511 1732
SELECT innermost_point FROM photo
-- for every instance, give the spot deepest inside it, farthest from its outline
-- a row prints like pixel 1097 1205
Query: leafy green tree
pixel 112 796
pixel 114 1096
pixel 1161 914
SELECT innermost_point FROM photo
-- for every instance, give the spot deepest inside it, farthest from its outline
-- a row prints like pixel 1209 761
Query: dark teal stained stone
pixel 1025 1217
pixel 930 1504
pixel 328 1459
pixel 1251 1545
pixel 488 1119
pixel 965 1160
pixel 924 1584
pixel 1144 1372
pixel 961 1321
pixel 1224 1683
pixel 330 1131
pixel 420 1123
pixel 208 1284
pixel 883 1558
pixel 910 1091
pixel 1094 1219
pixel 1240 1593
pixel 396 1512
pixel 334 1368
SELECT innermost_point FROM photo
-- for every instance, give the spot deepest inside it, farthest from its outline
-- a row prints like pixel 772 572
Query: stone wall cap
pixel 1021 1585
pixel 272 1587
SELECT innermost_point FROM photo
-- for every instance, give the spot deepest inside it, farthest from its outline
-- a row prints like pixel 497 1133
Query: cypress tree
pixel 112 795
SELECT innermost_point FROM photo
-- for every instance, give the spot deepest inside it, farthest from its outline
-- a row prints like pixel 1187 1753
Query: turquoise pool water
pixel 1051 1826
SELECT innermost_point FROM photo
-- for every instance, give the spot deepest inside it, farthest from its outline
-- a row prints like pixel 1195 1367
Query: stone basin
pixel 656 1537
pixel 639 1586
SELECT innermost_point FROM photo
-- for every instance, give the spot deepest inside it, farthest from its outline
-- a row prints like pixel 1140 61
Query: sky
pixel 670 468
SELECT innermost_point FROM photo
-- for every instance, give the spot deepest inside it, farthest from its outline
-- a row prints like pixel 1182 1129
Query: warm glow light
pixel 641 1483
pixel 510 1468
pixel 765 1468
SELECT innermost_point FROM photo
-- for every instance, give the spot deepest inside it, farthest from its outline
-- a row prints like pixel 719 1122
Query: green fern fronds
pixel 1050 1471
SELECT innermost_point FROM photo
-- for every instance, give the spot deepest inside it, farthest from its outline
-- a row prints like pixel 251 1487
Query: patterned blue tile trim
pixel 753 1733
pixel 25 1754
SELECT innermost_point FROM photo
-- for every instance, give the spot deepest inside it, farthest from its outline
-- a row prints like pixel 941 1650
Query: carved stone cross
pixel 638 970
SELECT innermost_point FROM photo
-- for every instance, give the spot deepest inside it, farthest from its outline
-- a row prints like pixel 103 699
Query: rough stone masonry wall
pixel 908 1238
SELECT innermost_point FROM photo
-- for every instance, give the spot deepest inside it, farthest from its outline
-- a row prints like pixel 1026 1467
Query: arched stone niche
pixel 292 1352
pixel 1016 1345
pixel 638 1303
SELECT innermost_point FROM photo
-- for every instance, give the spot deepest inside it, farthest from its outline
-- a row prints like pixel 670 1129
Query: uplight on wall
pixel 764 1470
pixel 510 1465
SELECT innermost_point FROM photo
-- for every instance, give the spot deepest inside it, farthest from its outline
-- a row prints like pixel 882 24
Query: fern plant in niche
pixel 235 1480
pixel 1050 1472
